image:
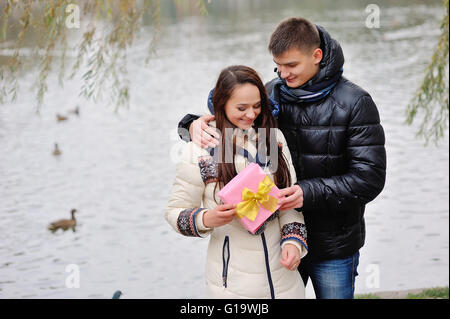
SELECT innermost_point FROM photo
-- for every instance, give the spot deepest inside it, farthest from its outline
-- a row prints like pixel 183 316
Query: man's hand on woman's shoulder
pixel 202 134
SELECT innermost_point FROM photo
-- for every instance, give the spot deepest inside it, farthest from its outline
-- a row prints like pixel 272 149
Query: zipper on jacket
pixel 225 260
pixel 266 256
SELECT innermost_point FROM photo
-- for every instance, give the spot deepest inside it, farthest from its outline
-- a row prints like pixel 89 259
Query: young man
pixel 333 131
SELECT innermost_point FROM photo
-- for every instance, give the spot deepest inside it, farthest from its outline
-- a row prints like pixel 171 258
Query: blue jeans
pixel 332 279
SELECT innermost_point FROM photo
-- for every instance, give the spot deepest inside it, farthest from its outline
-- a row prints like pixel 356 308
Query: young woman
pixel 239 264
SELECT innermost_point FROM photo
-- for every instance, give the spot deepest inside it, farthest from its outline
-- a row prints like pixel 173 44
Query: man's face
pixel 298 67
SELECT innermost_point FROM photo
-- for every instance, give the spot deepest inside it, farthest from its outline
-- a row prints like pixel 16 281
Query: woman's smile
pixel 247 122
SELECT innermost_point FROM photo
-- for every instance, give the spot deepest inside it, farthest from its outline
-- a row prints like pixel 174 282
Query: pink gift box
pixel 249 177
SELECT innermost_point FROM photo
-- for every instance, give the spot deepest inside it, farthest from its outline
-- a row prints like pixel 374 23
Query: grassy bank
pixel 430 293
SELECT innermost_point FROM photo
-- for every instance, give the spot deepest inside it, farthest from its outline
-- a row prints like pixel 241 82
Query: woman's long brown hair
pixel 228 80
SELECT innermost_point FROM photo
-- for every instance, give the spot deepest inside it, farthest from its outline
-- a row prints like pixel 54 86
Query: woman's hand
pixel 290 257
pixel 202 134
pixel 219 216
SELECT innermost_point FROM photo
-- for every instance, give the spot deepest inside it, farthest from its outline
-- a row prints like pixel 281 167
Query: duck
pixel 76 110
pixel 117 294
pixel 64 223
pixel 60 118
pixel 56 151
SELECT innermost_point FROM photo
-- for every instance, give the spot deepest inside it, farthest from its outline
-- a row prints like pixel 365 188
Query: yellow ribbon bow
pixel 249 206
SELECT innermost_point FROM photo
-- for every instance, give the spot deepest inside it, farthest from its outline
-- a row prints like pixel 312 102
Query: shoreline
pixel 418 293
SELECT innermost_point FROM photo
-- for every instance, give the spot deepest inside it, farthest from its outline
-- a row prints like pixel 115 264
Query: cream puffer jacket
pixel 239 264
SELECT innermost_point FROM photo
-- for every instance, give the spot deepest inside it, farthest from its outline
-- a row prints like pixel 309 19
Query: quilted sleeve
pixel 184 212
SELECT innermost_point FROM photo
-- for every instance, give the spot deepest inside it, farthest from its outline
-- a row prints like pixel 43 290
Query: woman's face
pixel 244 105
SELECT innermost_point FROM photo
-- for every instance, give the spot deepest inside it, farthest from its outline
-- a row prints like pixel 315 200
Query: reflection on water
pixel 116 169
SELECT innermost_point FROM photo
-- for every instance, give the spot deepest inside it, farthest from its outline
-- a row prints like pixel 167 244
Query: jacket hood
pixel 333 57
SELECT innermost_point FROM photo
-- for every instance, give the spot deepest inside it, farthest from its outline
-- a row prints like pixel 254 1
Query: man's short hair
pixel 296 33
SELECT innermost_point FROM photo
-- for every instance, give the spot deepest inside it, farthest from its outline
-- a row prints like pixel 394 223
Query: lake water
pixel 116 169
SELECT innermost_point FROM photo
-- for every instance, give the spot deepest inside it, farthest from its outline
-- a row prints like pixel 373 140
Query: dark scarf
pixel 282 93
pixel 308 92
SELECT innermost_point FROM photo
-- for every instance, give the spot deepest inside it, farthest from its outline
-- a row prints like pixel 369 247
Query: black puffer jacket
pixel 337 146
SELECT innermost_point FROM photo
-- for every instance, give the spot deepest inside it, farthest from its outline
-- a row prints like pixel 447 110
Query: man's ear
pixel 317 55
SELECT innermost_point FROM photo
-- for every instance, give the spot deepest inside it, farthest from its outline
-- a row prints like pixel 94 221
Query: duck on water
pixel 64 224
